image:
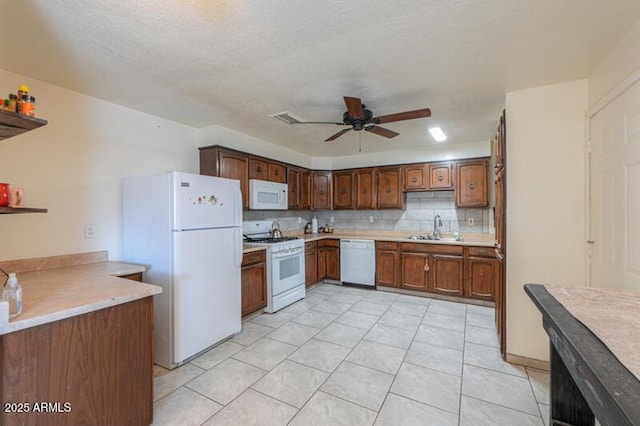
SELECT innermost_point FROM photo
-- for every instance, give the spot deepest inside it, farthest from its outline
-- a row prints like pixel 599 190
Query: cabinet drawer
pixel 255 257
pixel 311 245
pixel 432 248
pixel 387 245
pixel 482 251
pixel 329 243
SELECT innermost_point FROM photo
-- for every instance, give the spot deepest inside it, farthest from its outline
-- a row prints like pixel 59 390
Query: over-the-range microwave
pixel 264 195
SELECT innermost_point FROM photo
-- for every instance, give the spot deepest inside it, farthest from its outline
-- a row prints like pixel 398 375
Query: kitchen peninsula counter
pixel 61 292
pixel 82 350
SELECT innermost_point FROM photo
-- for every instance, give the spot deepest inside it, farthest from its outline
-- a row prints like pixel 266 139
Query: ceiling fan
pixel 360 118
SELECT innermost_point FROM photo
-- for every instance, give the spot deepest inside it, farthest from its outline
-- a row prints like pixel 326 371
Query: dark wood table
pixel 586 378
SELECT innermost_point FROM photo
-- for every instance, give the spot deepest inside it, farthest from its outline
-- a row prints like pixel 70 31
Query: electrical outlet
pixel 89 231
pixel 299 219
pixel 370 219
pixel 470 221
pixel 332 219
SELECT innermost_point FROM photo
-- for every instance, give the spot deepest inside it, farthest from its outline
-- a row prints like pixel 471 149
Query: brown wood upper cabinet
pixel 293 183
pixel 416 177
pixel 389 194
pixel 343 190
pixel 305 189
pixel 471 183
pixel 216 161
pixel 440 176
pixel 263 169
pixel 321 190
pixel 365 191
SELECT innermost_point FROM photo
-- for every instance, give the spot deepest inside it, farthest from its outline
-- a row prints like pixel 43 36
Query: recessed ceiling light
pixel 437 134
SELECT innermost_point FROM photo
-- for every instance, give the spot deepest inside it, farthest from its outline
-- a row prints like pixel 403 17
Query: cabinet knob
pixel 415 179
pixel 344 191
pixel 321 192
pixel 259 169
pixel 275 172
pixel 440 177
pixel 472 186
pixel 388 189
pixel 364 190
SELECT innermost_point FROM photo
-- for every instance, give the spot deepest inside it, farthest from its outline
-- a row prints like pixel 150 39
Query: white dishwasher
pixel 358 262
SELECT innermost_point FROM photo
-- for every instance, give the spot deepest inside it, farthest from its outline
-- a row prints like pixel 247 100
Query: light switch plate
pixel 470 221
pixel 89 231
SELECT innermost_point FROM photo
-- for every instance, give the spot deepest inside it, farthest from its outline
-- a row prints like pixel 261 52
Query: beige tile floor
pixel 350 356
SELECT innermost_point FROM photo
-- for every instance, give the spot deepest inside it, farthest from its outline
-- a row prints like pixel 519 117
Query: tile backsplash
pixel 420 210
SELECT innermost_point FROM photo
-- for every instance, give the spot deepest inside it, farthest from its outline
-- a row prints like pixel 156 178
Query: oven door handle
pixel 288 253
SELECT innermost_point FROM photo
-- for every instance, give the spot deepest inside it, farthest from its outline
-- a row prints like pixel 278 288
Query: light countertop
pixel 476 241
pixel 53 294
pixel 247 248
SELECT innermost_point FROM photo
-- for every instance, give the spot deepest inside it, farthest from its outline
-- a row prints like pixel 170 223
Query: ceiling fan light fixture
pixel 437 134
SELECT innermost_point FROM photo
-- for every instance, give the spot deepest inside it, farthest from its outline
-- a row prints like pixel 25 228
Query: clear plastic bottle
pixel 12 293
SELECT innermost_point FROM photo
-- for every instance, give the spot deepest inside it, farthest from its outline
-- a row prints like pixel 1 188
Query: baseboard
pixel 438 296
pixel 528 362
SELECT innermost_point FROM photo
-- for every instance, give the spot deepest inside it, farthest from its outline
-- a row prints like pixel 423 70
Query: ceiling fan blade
pixel 321 122
pixel 407 115
pixel 354 107
pixel 337 135
pixel 382 131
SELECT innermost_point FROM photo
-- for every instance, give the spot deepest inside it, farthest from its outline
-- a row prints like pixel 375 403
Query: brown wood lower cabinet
pixel 254 282
pixel 415 274
pixel 94 369
pixel 387 264
pixel 482 273
pixel 329 259
pixel 133 277
pixel 310 263
pixel 448 274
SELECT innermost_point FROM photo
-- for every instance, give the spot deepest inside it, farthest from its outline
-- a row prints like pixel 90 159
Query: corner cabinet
pixel 329 259
pixel 471 183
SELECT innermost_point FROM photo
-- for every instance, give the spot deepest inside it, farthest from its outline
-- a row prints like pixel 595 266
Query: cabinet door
pixel 332 263
pixel 440 176
pixel 276 172
pixel 293 183
pixel 481 278
pixel 365 192
pixel 390 195
pixel 447 274
pixel 414 276
pixel 322 263
pixel 471 183
pixel 415 177
pixel 254 287
pixel 258 169
pixel 499 210
pixel 343 189
pixel 305 189
pixel 310 263
pixel 236 166
pixel 321 190
pixel 387 268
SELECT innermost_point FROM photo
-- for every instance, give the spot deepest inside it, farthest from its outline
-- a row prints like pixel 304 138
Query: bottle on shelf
pixel 12 293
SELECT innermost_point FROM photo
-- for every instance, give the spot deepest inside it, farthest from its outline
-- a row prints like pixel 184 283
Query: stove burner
pixel 269 240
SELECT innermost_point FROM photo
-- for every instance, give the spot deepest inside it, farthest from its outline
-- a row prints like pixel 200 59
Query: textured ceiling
pixel 234 63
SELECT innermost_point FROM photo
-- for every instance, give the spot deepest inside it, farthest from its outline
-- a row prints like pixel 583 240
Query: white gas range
pixel 285 264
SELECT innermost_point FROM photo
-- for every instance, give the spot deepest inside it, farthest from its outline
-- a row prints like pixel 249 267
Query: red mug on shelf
pixel 4 194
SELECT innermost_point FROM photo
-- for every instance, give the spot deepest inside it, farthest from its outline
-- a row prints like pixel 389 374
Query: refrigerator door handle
pixel 238 247
pixel 238 207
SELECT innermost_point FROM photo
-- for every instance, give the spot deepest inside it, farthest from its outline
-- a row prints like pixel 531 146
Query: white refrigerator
pixel 187 230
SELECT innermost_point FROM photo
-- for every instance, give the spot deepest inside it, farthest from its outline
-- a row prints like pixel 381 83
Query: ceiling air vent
pixel 286 117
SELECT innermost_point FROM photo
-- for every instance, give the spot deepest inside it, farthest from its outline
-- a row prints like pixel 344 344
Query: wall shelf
pixel 18 210
pixel 13 124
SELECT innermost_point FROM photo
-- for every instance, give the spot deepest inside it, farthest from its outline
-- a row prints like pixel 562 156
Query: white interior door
pixel 615 193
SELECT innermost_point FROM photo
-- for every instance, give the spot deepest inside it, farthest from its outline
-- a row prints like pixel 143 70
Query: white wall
pixel 545 203
pixel 74 167
pixel 618 64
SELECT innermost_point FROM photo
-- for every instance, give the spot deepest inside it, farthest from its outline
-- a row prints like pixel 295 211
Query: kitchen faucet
pixel 437 222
